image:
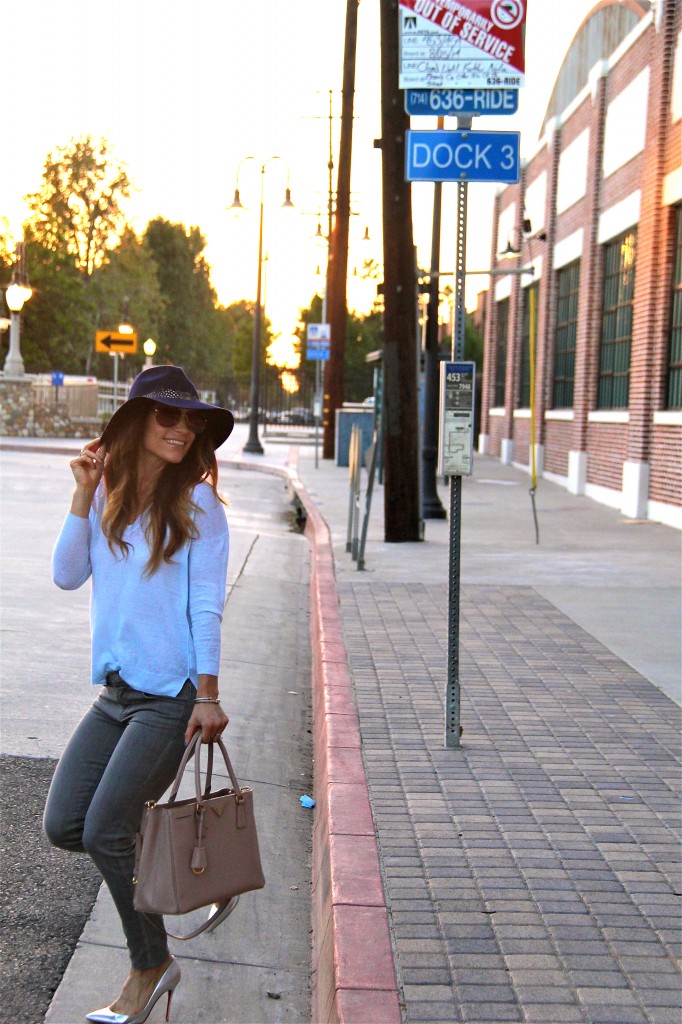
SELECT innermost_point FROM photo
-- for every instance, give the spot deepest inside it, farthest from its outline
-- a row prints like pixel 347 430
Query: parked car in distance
pixel 299 416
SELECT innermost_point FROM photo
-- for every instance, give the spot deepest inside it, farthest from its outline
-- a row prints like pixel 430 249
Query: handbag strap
pixel 208 923
pixel 193 748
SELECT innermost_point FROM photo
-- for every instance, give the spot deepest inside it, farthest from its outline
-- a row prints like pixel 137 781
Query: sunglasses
pixel 167 416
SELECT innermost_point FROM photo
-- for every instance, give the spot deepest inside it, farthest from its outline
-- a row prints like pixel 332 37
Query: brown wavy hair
pixel 169 513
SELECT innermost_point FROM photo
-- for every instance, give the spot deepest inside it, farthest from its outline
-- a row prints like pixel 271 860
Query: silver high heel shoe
pixel 166 983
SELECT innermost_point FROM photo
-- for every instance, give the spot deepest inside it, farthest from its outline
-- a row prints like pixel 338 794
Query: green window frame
pixel 674 395
pixel 568 287
pixel 524 369
pixel 616 324
pixel 502 330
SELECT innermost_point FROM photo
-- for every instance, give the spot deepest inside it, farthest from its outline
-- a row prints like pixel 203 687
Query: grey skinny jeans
pixel 125 751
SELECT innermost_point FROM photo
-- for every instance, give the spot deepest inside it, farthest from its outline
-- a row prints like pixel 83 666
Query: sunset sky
pixel 185 92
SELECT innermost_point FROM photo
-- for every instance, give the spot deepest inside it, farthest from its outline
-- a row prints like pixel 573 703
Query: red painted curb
pixel 354 978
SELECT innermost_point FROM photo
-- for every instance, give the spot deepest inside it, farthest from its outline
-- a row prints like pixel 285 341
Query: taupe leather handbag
pixel 195 852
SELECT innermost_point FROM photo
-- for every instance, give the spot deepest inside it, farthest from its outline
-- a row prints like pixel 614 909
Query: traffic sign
pixel 318 340
pixel 461 102
pixel 317 349
pixel 456 418
pixel 463 156
pixel 318 332
pixel 114 341
pixel 463 44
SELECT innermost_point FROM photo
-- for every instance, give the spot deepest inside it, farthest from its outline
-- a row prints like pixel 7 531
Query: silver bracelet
pixel 207 700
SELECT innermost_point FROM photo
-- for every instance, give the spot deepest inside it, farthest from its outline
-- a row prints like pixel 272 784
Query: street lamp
pixel 149 348
pixel 17 293
pixel 253 445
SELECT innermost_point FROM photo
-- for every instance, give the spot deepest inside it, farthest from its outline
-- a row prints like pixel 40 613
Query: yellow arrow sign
pixel 114 341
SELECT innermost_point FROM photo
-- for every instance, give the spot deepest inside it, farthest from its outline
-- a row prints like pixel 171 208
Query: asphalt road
pixel 45 894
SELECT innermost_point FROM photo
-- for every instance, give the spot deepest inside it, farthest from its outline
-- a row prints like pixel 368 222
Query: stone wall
pixel 24 413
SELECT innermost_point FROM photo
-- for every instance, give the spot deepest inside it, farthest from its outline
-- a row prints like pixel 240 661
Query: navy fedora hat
pixel 170 385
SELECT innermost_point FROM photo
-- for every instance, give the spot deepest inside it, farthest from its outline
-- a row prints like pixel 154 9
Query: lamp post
pixel 17 293
pixel 253 445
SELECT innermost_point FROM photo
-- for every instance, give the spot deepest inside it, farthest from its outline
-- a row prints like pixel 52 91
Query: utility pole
pixel 338 255
pixel 401 421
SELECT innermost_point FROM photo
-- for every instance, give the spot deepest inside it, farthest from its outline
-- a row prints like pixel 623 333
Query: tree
pixel 192 332
pixel 473 340
pixel 363 335
pixel 240 315
pixel 127 284
pixel 77 210
pixel 58 321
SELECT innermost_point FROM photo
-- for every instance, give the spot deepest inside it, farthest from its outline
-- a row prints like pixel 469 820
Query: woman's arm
pixel 207 717
pixel 71 556
pixel 208 558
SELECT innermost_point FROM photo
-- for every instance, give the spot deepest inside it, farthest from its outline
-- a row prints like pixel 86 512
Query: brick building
pixel 596 223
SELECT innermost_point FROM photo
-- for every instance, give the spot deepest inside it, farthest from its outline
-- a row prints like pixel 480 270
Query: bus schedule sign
pixel 462 44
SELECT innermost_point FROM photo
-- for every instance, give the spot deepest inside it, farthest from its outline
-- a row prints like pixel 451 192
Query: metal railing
pixel 110 397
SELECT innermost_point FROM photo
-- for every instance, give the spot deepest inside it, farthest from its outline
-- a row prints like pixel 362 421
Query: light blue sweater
pixel 156 631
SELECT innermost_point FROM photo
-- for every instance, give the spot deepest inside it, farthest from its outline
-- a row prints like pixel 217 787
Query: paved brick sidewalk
pixel 532 875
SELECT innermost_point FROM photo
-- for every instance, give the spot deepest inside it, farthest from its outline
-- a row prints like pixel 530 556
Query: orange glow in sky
pixel 185 92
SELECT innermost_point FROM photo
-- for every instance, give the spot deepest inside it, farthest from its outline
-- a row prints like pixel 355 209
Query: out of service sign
pixel 462 44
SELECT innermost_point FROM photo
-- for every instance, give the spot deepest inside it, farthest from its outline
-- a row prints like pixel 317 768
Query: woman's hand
pixel 208 719
pixel 87 469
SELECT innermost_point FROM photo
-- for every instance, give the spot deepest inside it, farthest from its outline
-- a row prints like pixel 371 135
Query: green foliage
pixel 364 334
pixel 193 332
pixel 240 317
pixel 57 331
pixel 77 210
pixel 473 343
pixel 127 284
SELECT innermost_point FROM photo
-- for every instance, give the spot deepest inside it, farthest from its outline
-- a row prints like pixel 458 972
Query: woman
pixel 147 523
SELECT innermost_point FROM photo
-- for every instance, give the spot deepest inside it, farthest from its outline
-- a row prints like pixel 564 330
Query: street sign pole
pixel 453 696
pixel 318 342
pixel 115 381
pixel 316 411
pixel 461 59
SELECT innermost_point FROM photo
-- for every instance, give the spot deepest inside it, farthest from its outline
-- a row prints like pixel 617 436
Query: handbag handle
pixel 193 748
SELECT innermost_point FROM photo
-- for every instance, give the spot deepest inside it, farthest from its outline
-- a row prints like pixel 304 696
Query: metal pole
pixel 452 697
pixel 253 445
pixel 319 398
pixel 431 503
pixel 318 403
pixel 115 381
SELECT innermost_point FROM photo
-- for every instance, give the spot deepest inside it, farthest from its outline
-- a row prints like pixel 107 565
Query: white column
pixel 635 489
pixel 539 459
pixel 577 472
pixel 483 444
pixel 14 364
pixel 506 451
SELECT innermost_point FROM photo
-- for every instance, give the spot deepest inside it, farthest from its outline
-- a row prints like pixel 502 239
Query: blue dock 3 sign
pixel 463 156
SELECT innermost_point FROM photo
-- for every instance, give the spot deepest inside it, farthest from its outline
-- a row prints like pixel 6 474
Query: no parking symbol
pixel 507 14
